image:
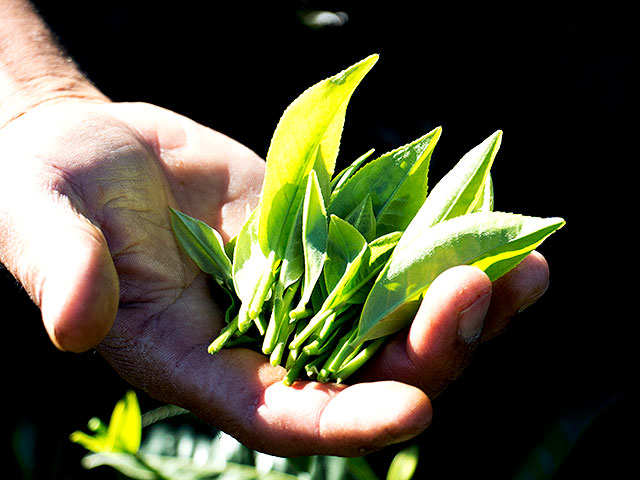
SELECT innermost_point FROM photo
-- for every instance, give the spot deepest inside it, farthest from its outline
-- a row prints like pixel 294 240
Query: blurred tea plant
pixel 178 453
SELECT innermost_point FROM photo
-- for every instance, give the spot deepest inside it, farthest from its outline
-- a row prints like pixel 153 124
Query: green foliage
pixel 404 464
pixel 180 453
pixel 123 433
pixel 326 269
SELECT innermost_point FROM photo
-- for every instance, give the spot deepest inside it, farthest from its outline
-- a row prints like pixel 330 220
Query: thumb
pixel 63 262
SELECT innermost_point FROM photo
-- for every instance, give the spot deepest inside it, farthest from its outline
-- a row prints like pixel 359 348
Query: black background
pixel 554 78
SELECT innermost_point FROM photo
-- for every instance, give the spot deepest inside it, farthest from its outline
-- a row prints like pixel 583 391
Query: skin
pixel 84 226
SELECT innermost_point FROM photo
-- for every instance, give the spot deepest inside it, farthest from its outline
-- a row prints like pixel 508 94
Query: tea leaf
pixel 379 252
pixel 486 202
pixel 346 246
pixel 345 250
pixel 250 265
pixel 492 241
pixel 307 136
pixel 314 240
pixel 461 191
pixel 396 182
pixel 357 275
pixel 357 272
pixel 204 246
pixel 292 267
pixel 340 179
pixel 363 218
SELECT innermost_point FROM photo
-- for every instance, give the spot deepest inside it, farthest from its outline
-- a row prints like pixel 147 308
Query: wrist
pixel 33 68
pixel 46 89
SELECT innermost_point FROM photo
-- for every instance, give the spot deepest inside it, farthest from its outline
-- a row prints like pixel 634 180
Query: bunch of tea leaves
pixel 329 265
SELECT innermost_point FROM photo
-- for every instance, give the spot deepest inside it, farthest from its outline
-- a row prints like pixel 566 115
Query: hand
pixel 84 225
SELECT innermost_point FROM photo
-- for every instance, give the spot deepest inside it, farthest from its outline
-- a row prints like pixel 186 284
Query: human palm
pixel 105 175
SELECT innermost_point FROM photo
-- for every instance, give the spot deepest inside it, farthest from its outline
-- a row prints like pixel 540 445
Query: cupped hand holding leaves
pixel 85 192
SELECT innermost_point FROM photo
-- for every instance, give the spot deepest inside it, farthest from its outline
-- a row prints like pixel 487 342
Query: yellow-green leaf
pixel 493 241
pixel 465 189
pixel 204 246
pixel 396 183
pixel 307 137
pixel 125 427
pixel 95 443
pixel 314 239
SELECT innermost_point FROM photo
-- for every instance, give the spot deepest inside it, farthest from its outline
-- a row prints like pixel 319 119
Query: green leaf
pixel 123 433
pixel 375 258
pixel 314 239
pixel 125 428
pixel 354 280
pixel 493 241
pixel 250 267
pixel 357 271
pixel 345 250
pixel 462 190
pixel 396 182
pixel 345 247
pixel 364 219
pixel 307 137
pixel 486 202
pixel 341 178
pixel 97 443
pixel 292 267
pixel 404 464
pixel 204 246
pixel 230 247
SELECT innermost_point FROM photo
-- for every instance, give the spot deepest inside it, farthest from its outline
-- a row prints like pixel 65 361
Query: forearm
pixel 33 69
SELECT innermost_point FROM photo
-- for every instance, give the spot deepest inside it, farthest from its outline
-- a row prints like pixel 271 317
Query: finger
pixel 516 291
pixel 63 262
pixel 443 335
pixel 244 396
pixel 326 419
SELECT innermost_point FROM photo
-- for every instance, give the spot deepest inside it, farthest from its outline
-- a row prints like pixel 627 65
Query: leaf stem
pixel 279 316
pixel 225 334
pixel 267 278
pixel 360 359
pixel 311 327
pixel 294 372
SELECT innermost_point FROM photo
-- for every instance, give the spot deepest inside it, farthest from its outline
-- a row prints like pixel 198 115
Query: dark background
pixel 555 79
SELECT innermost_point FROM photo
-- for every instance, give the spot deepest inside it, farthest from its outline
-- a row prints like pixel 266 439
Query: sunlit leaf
pixel 493 241
pixel 364 219
pixel 341 178
pixel 314 238
pixel 97 443
pixel 396 183
pixel 307 137
pixel 204 246
pixel 125 428
pixel 462 189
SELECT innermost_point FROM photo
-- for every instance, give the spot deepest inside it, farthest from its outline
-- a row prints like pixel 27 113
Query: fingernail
pixel 471 319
